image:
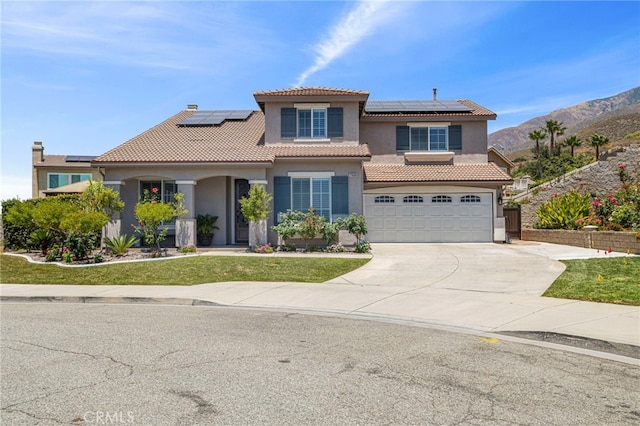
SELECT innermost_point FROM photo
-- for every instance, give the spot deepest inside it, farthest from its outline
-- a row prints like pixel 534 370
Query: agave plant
pixel 120 244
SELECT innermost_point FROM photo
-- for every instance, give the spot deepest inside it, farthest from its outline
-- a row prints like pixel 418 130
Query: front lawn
pixel 611 280
pixel 184 271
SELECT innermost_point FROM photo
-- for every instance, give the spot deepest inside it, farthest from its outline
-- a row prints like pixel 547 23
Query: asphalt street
pixel 198 365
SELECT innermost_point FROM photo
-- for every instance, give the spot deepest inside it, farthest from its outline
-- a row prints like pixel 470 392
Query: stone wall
pixel 601 178
pixel 601 240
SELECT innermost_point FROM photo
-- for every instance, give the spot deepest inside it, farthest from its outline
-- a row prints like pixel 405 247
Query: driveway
pixel 487 268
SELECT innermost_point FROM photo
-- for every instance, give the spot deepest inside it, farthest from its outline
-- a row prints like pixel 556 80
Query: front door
pixel 242 226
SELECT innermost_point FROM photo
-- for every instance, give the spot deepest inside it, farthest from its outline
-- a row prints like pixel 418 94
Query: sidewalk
pixel 467 286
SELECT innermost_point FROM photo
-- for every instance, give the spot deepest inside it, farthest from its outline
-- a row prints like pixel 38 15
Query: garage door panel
pixel 457 221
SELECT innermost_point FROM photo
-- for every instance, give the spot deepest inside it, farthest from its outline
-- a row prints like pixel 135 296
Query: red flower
pixel 622 166
pixel 154 190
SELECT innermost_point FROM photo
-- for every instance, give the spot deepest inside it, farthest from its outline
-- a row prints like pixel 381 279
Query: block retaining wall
pixel 602 240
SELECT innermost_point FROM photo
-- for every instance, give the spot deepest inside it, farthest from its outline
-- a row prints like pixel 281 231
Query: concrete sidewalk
pixel 480 287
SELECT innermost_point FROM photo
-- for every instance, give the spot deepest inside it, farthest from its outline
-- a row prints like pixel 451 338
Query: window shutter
pixel 281 195
pixel 402 138
pixel 455 138
pixel 339 196
pixel 335 123
pixel 288 123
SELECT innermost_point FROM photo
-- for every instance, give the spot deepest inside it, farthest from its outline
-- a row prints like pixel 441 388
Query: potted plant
pixel 205 225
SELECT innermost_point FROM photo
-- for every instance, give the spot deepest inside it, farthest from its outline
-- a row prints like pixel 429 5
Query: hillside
pixel 576 119
pixel 615 128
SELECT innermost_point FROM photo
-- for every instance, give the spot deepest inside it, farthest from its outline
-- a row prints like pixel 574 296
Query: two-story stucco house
pixel 418 170
pixel 60 174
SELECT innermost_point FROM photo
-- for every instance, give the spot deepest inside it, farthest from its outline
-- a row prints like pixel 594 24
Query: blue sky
pixel 84 77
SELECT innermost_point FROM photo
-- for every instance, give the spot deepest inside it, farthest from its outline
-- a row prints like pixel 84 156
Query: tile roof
pixel 476 111
pixel 53 160
pixel 312 91
pixel 435 173
pixel 305 151
pixel 234 141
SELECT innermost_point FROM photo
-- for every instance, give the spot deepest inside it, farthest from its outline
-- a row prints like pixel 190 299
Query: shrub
pixel 188 249
pixel 356 225
pixel 42 239
pixel 120 244
pixel 562 212
pixel 79 245
pixel 311 225
pixel 265 248
pixel 336 248
pixel 288 226
pixel 362 247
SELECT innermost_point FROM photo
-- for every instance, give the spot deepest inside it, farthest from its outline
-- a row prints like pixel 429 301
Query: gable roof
pixel 233 141
pixel 440 173
pixel 312 91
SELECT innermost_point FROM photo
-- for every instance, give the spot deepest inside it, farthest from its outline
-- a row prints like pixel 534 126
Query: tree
pixel 537 136
pixel 152 213
pixel 597 141
pixel 554 128
pixel 255 208
pixel 573 142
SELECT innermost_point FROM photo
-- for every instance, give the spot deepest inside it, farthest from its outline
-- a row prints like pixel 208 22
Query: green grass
pixel 607 280
pixel 185 271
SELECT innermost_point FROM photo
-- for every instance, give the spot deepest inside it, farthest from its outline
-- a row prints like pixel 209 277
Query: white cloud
pixel 351 29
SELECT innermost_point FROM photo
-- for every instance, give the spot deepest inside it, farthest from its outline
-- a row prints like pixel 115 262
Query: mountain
pixel 574 118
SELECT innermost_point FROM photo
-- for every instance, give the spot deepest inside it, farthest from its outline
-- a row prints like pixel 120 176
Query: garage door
pixel 429 217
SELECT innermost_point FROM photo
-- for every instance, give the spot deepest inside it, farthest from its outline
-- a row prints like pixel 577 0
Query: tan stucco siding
pixel 351 128
pixel 381 139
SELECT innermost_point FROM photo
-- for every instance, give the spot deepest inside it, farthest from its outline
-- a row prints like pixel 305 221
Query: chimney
pixel 435 93
pixel 37 152
pixel 192 107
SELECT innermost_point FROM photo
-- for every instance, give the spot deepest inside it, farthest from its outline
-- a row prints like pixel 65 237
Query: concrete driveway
pixel 487 268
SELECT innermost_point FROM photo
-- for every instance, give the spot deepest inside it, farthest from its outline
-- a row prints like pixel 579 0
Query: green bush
pixel 42 239
pixel 80 244
pixel 120 244
pixel 562 212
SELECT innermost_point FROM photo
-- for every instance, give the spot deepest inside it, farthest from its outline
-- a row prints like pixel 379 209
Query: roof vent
pixel 435 93
pixel 192 107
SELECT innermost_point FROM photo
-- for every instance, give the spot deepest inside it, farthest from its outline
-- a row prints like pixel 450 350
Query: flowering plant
pixel 265 248
pixel 623 173
pixel 152 214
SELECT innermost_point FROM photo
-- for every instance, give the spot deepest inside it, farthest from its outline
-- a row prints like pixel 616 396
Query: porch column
pixel 113 228
pixel 186 225
pixel 258 230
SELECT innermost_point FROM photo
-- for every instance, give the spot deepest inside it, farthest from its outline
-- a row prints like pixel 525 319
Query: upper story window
pixel 428 137
pixel 56 180
pixel 311 121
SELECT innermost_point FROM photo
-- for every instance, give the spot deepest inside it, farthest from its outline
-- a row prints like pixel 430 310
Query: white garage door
pixel 429 217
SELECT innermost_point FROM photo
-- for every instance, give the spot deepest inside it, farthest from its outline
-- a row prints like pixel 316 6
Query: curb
pixel 120 300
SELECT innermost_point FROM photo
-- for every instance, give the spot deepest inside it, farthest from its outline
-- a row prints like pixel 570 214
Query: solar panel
pixel 79 158
pixel 416 106
pixel 214 117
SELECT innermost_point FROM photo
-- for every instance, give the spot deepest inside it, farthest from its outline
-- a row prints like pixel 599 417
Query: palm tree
pixel 538 135
pixel 573 142
pixel 554 128
pixel 597 141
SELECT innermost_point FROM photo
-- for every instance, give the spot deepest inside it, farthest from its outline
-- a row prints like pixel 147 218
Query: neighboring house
pixel 497 157
pixel 417 170
pixel 60 174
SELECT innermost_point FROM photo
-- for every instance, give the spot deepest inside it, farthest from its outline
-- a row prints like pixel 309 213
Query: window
pixel 312 192
pixel 384 199
pixel 428 137
pixel 469 199
pixel 441 199
pixel 57 180
pixel 437 138
pixel 311 121
pixel 413 199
